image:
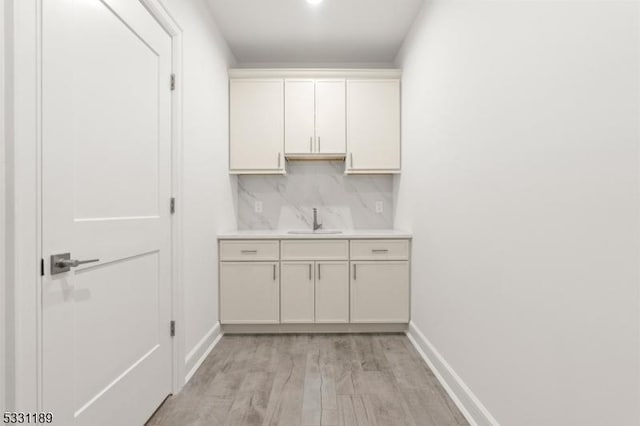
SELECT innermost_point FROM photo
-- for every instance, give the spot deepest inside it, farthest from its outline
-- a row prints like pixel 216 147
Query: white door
pixel 299 120
pixel 373 125
pixel 249 293
pixel 297 292
pixel 330 117
pixel 106 174
pixel 256 119
pixel 332 292
pixel 380 292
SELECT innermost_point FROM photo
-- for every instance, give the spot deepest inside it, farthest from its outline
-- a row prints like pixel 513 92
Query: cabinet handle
pixel 319 276
pixel 249 251
pixel 278 160
pixel 318 143
pixel 355 274
pixel 380 250
pixel 351 159
pixel 309 272
pixel 274 271
pixel 311 144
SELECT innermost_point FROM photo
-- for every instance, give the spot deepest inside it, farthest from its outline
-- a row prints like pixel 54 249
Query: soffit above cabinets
pixel 334 31
pixel 316 73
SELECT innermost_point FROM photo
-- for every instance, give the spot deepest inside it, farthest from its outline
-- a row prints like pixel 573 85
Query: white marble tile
pixel 343 202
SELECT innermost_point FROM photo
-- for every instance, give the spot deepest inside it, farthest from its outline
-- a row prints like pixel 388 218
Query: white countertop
pixel 280 234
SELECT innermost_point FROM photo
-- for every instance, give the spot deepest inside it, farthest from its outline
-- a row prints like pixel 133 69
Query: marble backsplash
pixel 343 202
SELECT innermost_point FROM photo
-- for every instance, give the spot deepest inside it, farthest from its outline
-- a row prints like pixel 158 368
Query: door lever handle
pixel 73 263
pixel 63 263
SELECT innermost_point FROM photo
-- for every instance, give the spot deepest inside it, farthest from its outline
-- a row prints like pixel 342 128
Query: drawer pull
pixel 249 251
pixel 380 250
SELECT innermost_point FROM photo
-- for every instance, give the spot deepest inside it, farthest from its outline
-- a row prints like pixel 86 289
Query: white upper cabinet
pixel 330 117
pixel 373 126
pixel 256 126
pixel 315 114
pixel 299 116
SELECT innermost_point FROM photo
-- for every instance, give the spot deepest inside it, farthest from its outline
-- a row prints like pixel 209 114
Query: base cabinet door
pixel 380 292
pixel 249 292
pixel 297 292
pixel 332 292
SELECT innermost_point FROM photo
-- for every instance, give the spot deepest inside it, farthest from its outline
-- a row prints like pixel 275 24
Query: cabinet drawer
pixel 249 250
pixel 379 249
pixel 315 249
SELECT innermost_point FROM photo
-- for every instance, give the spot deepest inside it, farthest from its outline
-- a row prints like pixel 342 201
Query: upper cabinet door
pixel 256 115
pixel 373 126
pixel 299 117
pixel 330 117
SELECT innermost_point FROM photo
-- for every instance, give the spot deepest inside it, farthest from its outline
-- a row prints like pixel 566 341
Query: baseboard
pixel 470 406
pixel 201 350
pixel 314 328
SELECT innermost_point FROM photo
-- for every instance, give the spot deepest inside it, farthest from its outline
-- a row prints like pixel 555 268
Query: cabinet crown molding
pixel 318 73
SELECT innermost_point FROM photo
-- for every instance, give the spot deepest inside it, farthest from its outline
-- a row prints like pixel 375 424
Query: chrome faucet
pixel 316 225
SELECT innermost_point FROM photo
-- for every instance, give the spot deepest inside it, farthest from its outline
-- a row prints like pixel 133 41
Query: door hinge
pixel 172 328
pixel 173 82
pixel 42 267
pixel 172 205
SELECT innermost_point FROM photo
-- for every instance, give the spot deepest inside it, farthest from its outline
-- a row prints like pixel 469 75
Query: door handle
pixel 63 263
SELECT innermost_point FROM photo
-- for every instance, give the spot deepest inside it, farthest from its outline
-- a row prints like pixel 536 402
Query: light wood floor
pixel 294 380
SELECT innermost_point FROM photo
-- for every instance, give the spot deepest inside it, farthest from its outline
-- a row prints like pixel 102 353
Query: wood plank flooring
pixel 311 380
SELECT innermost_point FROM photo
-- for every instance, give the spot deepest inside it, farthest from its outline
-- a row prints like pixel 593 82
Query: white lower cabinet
pixel 297 292
pixel 332 292
pixel 380 292
pixel 314 281
pixel 249 292
pixel 314 292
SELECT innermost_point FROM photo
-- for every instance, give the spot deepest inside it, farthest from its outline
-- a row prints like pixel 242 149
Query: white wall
pixel 520 182
pixel 208 199
pixel 3 171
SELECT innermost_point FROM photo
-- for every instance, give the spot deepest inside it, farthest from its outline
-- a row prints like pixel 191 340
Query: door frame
pixel 23 124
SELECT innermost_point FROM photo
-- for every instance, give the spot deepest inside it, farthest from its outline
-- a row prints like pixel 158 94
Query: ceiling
pixel 334 31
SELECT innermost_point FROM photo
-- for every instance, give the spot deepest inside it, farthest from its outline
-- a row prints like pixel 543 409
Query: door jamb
pixel 170 25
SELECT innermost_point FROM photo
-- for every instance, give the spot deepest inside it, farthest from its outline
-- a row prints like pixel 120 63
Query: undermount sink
pixel 310 232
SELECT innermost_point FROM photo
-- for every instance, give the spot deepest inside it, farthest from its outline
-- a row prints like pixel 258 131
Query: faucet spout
pixel 316 225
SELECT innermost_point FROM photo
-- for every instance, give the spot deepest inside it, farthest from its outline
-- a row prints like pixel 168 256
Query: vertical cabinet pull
pixel 319 144
pixel 355 273
pixel 274 271
pixel 311 144
pixel 310 272
pixel 319 276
